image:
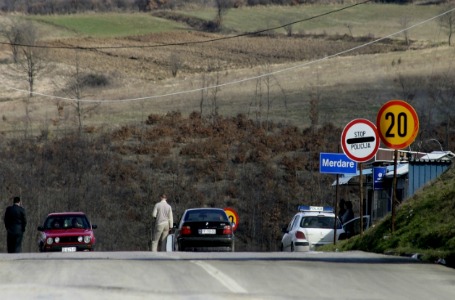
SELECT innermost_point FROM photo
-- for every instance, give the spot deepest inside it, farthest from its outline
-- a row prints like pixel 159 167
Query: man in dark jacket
pixel 348 215
pixel 15 222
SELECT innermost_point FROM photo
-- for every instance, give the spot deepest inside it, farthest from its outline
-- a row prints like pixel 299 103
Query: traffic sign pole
pixel 360 141
pixel 361 198
pixel 398 126
pixel 394 184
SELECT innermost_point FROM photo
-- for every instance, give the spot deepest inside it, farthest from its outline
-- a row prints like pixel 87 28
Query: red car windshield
pixel 66 222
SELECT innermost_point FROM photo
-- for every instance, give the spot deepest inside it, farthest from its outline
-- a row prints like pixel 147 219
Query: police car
pixel 313 226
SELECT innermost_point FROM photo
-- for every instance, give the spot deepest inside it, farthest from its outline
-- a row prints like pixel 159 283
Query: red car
pixel 66 232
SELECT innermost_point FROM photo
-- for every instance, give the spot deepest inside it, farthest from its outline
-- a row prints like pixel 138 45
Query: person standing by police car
pixel 162 212
pixel 15 223
pixel 342 208
pixel 348 215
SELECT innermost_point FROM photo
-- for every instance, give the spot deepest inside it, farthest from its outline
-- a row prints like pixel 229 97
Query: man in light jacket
pixel 162 212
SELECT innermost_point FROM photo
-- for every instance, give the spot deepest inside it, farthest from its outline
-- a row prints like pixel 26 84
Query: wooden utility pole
pixel 394 188
pixel 337 211
pixel 361 198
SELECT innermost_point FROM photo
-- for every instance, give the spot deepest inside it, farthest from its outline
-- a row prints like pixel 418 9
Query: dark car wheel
pixel 292 247
pixel 281 247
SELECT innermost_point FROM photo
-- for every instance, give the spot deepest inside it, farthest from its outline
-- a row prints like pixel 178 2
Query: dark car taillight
pixel 300 235
pixel 186 230
pixel 227 229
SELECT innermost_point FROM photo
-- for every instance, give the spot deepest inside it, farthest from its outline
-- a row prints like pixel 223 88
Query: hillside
pixel 116 176
pixel 330 61
pixel 241 123
pixel 425 226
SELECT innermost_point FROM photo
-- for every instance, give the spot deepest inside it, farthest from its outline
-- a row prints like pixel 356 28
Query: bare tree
pixel 75 89
pixel 404 23
pixel 349 27
pixel 29 57
pixel 442 92
pixel 407 85
pixel 210 89
pixel 214 91
pixel 13 32
pixel 270 81
pixel 9 5
pixel 287 27
pixel 447 22
pixel 175 63
pixel 315 99
pixel 222 7
pixel 204 92
pixel 266 93
pixel 256 103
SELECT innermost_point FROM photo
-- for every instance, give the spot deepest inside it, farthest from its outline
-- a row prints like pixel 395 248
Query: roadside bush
pixel 123 133
pixel 95 80
pixel 153 119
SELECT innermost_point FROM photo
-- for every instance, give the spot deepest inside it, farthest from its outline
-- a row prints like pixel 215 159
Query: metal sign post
pixel 394 187
pixel 336 212
pixel 336 163
pixel 361 198
pixel 398 125
pixel 360 141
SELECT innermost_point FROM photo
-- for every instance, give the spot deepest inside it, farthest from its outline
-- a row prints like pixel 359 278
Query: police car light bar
pixel 326 209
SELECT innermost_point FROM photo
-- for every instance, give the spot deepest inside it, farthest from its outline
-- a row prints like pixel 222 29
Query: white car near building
pixel 313 226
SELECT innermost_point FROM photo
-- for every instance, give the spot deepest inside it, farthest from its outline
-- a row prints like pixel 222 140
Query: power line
pixel 240 80
pixel 191 42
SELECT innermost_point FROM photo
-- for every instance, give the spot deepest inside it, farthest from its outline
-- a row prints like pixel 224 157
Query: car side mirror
pixel 284 229
pixel 94 226
pixel 40 228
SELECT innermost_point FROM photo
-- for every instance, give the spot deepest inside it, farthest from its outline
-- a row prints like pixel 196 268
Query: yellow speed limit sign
pixel 233 217
pixel 397 124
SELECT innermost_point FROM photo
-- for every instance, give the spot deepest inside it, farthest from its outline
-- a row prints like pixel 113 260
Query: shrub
pixel 95 80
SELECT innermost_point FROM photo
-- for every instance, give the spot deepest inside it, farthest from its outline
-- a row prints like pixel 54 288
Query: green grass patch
pixel 110 24
pixel 376 20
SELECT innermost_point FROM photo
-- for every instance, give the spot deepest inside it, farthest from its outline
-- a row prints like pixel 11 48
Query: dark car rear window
pixel 205 215
pixel 318 222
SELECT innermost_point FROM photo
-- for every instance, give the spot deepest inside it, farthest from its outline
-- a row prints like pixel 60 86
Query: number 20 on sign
pixel 397 124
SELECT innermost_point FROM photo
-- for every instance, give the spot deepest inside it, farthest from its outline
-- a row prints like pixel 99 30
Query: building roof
pixel 402 165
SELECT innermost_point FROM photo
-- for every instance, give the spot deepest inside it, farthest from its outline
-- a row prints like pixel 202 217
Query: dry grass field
pixel 302 67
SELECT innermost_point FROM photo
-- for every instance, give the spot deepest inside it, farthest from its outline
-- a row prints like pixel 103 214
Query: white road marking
pixel 224 279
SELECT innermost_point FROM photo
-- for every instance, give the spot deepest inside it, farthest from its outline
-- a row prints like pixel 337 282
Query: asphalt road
pixel 172 275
